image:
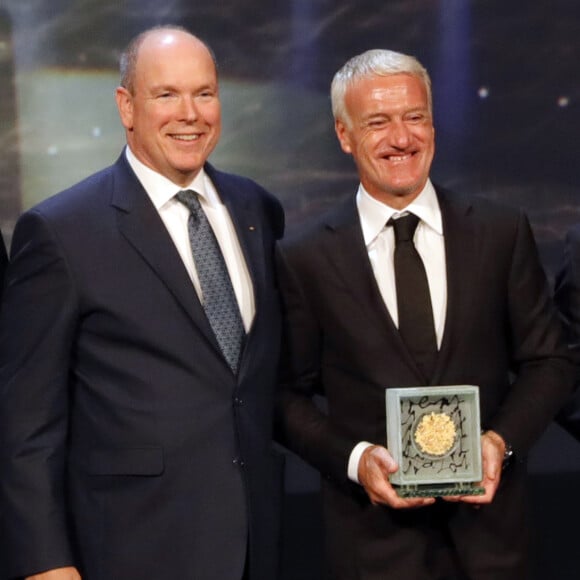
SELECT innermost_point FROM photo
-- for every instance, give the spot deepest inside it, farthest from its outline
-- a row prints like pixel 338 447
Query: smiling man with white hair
pixel 409 285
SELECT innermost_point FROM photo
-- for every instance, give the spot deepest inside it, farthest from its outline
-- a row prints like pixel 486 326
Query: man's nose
pixel 400 134
pixel 188 109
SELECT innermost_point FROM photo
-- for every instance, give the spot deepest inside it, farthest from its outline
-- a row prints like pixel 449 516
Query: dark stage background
pixel 507 99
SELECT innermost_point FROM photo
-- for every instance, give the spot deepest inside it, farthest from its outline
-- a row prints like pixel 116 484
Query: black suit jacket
pixel 128 448
pixel 501 333
pixel 567 295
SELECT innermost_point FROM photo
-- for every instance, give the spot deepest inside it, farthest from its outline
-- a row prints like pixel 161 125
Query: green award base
pixel 438 490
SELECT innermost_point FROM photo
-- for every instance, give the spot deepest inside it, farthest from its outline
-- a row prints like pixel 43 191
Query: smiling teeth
pixel 398 157
pixel 186 137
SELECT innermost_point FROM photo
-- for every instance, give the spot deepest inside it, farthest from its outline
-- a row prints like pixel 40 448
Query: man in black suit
pixel 491 322
pixel 135 427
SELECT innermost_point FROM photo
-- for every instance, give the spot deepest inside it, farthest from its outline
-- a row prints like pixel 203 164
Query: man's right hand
pixel 68 573
pixel 375 465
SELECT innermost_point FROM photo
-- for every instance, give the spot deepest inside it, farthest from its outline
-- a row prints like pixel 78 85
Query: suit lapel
pixel 247 225
pixel 141 225
pixel 462 265
pixel 347 252
pixel 249 231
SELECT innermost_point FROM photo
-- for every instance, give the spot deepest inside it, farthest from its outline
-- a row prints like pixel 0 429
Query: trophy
pixel 434 435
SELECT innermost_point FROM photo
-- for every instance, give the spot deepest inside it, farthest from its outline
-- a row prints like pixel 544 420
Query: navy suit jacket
pixel 128 447
pixel 501 333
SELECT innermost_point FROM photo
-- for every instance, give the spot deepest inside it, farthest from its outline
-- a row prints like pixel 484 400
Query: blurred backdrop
pixel 506 86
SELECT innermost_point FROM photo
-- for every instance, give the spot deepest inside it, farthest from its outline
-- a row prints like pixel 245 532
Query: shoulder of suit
pixel 85 196
pixel 314 227
pixel 234 180
pixel 241 185
pixel 481 206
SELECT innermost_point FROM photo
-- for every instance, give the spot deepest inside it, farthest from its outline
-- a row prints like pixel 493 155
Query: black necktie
pixel 219 299
pixel 413 298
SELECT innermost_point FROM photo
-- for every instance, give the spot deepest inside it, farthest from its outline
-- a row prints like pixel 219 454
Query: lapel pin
pixel 251 228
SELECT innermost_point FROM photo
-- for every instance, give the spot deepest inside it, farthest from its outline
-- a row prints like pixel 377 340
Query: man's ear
pixel 343 135
pixel 125 106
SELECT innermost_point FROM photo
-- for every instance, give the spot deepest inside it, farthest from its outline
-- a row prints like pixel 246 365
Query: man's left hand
pixel 492 452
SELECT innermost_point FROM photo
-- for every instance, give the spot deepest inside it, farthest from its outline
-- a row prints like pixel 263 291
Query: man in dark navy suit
pixel 135 442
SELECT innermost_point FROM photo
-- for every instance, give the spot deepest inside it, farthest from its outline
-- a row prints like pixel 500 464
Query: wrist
pixel 508 457
pixel 506 450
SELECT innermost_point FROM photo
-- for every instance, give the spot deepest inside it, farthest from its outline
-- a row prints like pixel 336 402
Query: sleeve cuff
pixel 354 459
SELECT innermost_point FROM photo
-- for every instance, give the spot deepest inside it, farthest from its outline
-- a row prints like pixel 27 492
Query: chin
pixel 410 191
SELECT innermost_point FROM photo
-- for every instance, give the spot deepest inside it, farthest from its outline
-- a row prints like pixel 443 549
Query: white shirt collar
pixel 162 190
pixel 374 214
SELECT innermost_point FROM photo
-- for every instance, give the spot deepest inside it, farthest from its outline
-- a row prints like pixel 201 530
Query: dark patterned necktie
pixel 413 298
pixel 219 299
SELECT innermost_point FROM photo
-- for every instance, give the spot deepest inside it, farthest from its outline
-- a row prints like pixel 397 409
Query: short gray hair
pixel 376 62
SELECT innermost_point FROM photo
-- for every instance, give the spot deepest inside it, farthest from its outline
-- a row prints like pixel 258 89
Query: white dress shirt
pixel 175 216
pixel 380 242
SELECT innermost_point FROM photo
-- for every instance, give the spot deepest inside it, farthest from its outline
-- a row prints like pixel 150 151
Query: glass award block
pixel 434 435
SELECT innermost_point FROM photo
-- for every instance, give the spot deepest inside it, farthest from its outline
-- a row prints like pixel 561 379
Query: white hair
pixel 377 62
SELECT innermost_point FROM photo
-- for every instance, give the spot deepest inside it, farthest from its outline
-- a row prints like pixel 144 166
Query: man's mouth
pixel 186 137
pixel 398 158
